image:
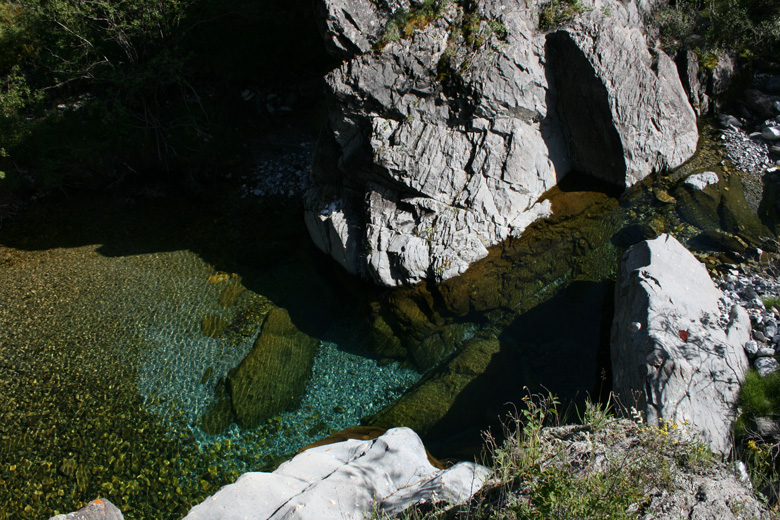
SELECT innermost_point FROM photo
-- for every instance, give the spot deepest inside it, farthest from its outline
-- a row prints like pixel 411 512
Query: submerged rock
pixel 270 379
pixel 680 366
pixel 441 145
pixel 273 376
pixel 346 480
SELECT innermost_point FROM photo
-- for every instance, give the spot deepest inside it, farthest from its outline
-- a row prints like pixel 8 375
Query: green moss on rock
pixel 273 376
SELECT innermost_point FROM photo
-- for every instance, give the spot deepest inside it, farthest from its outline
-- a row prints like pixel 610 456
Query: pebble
pixel 285 176
pixel 747 289
pixel 748 154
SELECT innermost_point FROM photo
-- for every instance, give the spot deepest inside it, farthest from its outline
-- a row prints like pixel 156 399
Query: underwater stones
pixel 680 365
pixel 437 346
pixel 722 205
pixel 230 293
pixel 213 326
pixel 218 277
pixel 273 375
pixel 425 404
pixel 701 180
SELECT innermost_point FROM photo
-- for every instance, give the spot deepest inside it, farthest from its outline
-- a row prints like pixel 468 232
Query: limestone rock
pixel 603 69
pixel 273 375
pixel 766 365
pixel 440 146
pixel 346 480
pixel 680 366
pixel 351 27
pixel 699 181
pixel 98 509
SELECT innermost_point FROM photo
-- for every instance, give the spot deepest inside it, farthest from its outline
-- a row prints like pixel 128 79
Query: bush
pixel 759 397
pixel 749 26
pixel 557 12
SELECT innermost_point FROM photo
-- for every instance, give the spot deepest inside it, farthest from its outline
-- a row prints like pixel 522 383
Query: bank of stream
pixel 121 316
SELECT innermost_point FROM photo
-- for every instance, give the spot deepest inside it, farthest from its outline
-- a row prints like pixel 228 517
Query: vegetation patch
pixel 751 27
pixel 557 13
pixel 759 402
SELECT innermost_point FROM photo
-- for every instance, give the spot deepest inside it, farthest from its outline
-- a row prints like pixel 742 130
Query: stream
pixel 109 359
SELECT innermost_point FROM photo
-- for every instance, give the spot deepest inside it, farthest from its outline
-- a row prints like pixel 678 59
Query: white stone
pixel 701 180
pixel 771 133
pixel 344 481
pixel 681 367
pixel 766 366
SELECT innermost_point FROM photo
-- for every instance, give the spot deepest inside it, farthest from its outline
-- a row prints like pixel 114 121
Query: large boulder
pixel 346 480
pixel 670 354
pixel 442 144
pixel 622 105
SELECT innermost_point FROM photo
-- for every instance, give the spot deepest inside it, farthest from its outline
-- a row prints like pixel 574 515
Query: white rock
pixel 681 367
pixel 701 180
pixel 771 133
pixel 344 481
pixel 766 366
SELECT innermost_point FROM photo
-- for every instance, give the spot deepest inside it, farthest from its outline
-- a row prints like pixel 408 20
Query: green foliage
pixel 597 415
pixel 137 85
pixel 556 13
pixel 406 21
pixel 759 397
pixel 749 26
pixel 771 301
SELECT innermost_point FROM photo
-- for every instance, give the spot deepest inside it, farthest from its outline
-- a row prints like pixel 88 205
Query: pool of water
pixel 106 369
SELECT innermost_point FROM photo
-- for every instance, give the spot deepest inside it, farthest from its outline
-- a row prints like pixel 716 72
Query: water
pixel 106 373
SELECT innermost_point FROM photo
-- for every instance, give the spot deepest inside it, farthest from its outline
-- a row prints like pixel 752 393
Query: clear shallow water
pixel 104 367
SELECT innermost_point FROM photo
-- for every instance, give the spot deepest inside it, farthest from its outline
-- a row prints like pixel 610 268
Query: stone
pixel 348 480
pixel 436 149
pixel 230 293
pixel 691 77
pixel 765 351
pixel 727 120
pixel 770 328
pixel 768 428
pixel 771 133
pixel 766 365
pixel 351 27
pixel 760 336
pixel 751 348
pixel 699 181
pixel 273 376
pixel 599 65
pixel 680 366
pixel 759 104
pixel 213 326
pixel 98 509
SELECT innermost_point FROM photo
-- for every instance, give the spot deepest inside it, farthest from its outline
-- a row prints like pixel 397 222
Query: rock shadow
pixel 560 346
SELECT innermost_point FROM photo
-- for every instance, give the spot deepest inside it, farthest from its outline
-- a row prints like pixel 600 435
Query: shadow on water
pixel 561 346
pixel 265 242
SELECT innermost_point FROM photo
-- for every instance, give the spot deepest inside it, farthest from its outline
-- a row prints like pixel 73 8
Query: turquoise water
pixel 105 370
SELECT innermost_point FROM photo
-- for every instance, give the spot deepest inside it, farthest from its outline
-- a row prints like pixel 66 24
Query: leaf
pixel 684 334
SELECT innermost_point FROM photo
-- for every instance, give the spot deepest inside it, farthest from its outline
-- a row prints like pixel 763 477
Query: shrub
pixel 557 12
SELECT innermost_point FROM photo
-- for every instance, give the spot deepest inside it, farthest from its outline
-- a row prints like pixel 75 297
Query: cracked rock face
pixel 669 350
pixel 441 144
